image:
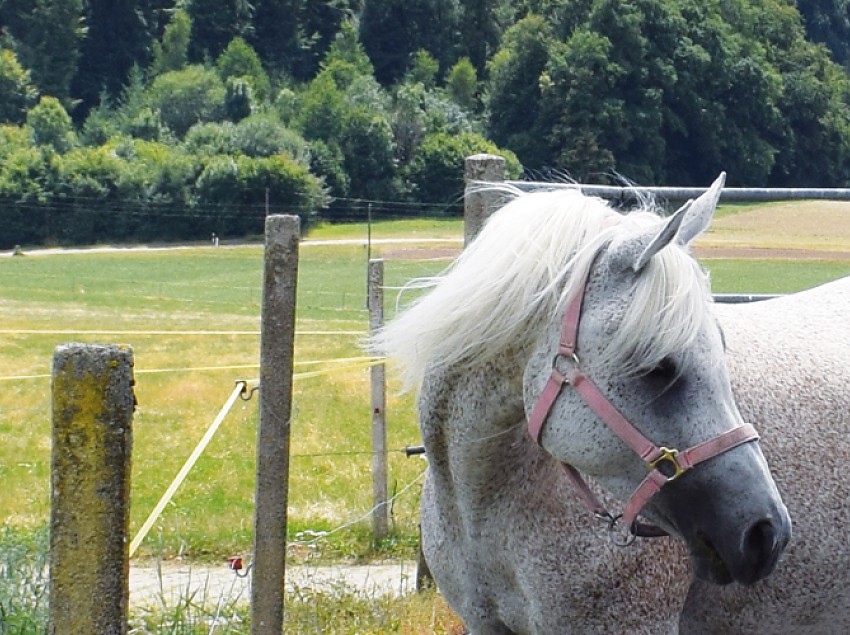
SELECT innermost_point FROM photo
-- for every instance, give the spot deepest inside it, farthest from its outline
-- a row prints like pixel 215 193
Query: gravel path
pixel 176 581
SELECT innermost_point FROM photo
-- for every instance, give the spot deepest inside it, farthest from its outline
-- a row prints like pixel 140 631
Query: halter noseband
pixel 664 464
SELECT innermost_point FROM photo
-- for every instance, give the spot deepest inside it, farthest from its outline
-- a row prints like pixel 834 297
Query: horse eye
pixel 665 369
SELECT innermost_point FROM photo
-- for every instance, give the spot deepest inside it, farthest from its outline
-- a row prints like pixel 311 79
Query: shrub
pixel 51 125
pixel 436 172
pixel 234 190
pixel 186 97
pixel 16 86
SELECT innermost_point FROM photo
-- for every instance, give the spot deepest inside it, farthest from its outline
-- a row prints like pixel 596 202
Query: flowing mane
pixel 522 269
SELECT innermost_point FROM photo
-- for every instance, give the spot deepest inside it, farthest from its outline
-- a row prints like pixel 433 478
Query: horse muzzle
pixel 722 559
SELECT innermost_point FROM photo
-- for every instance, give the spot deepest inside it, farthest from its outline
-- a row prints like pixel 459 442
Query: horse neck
pixel 473 421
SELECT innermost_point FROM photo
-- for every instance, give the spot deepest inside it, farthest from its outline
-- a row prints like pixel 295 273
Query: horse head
pixel 638 397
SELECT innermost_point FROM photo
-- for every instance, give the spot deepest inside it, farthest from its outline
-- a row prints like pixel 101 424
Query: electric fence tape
pixel 240 388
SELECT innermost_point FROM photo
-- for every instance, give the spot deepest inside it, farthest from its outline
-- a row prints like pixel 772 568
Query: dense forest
pixel 167 120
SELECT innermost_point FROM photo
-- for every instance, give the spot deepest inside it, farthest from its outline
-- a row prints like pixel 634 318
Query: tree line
pixel 156 119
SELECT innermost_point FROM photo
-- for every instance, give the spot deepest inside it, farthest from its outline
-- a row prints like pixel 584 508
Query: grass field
pixel 120 297
pixel 165 303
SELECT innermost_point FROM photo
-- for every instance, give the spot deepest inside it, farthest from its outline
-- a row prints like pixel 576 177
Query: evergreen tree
pixel 215 23
pixel 172 53
pixel 462 84
pixel 828 22
pixel 50 45
pixel 392 30
pixel 479 30
pixel 239 60
pixel 117 37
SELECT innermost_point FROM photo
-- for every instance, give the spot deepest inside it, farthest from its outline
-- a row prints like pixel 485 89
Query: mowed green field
pixel 165 304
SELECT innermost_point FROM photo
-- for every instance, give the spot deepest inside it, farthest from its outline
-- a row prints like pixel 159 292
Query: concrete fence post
pixel 277 346
pixel 380 519
pixel 93 403
pixel 479 203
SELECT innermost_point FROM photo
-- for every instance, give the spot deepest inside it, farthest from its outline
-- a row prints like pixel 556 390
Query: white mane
pixel 522 268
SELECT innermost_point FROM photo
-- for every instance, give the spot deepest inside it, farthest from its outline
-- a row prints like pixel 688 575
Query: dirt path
pixel 176 581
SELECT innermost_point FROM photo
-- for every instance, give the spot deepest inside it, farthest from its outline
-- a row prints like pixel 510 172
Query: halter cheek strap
pixel 664 464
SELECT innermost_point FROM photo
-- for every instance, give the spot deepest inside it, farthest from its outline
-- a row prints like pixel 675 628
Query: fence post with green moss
pixel 93 403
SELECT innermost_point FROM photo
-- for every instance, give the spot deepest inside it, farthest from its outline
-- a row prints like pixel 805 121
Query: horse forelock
pixel 670 306
pixel 522 268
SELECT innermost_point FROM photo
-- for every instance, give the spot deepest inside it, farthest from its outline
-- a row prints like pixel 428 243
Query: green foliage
pixel 828 22
pixel 229 183
pixel 346 47
pixel 148 125
pixel 515 100
pixel 23 581
pixel 462 84
pixel 117 37
pixel 263 135
pixel 293 36
pixel 260 135
pixel 669 92
pixel 156 174
pixel 16 87
pixel 321 106
pixel 327 162
pixel 417 112
pixel 88 178
pixel 240 61
pixel 480 29
pixel 172 52
pixel 366 142
pixel 101 123
pixel 215 23
pixel 657 91
pixel 186 97
pixel 423 70
pixel 50 125
pixel 393 30
pixel 50 44
pixel 12 138
pixel 210 139
pixel 28 178
pixel 433 174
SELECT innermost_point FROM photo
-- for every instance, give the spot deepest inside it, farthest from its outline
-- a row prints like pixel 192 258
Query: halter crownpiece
pixel 665 465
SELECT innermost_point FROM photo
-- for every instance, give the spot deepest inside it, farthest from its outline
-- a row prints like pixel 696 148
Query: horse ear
pixel 700 212
pixel 688 222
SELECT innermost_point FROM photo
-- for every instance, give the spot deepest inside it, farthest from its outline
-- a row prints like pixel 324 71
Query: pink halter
pixel 664 464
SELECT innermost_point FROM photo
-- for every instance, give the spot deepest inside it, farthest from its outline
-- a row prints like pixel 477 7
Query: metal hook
pixel 234 563
pixel 616 532
pixel 250 393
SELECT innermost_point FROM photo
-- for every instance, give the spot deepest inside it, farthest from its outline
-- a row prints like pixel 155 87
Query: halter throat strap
pixel 664 464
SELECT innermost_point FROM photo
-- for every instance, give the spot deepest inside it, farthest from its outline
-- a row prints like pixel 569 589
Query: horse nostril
pixel 760 545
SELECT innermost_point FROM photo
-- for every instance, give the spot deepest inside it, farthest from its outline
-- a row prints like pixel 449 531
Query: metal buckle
pixel 668 455
pixel 618 534
pixel 559 356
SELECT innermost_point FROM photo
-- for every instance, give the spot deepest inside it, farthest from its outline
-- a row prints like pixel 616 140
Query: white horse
pixel 790 364
pixel 592 333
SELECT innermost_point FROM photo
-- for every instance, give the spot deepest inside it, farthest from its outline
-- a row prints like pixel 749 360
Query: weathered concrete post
pixel 277 344
pixel 379 400
pixel 478 204
pixel 93 404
